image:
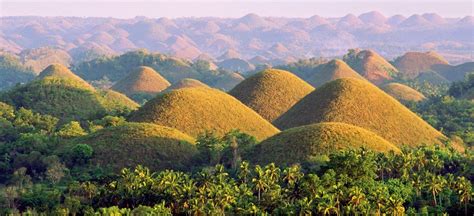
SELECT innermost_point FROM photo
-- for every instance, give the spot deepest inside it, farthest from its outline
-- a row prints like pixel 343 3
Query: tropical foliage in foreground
pixel 422 180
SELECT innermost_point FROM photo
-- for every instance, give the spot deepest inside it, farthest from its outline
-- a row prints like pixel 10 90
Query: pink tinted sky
pixel 230 8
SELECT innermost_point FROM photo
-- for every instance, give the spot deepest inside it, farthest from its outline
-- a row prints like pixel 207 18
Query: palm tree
pixel 464 191
pixel 395 206
pixel 435 185
pixel 356 196
pixel 259 181
pixel 327 205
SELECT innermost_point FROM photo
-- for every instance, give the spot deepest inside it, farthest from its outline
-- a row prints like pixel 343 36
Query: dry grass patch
pixel 195 110
pixel 403 93
pixel 362 104
pixel 413 63
pixel 303 143
pixel 142 80
pixel 186 83
pixel 271 92
pixel 330 71
pixel 371 65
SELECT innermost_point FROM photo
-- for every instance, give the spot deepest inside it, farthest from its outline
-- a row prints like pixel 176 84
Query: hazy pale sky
pixel 230 8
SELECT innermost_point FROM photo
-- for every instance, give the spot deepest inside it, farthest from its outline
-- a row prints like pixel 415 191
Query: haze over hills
pixel 252 35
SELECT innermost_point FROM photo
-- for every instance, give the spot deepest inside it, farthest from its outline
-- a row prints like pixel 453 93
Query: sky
pixel 230 8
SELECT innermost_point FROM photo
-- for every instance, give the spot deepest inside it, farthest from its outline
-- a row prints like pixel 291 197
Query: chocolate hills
pixel 196 110
pixel 132 144
pixel 303 143
pixel 330 71
pixel 413 63
pixel 403 93
pixel 142 80
pixel 186 83
pixel 61 71
pixel 370 65
pixel 271 92
pixel 59 93
pixel 358 102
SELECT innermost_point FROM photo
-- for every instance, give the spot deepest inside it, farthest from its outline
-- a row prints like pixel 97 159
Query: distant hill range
pixel 253 38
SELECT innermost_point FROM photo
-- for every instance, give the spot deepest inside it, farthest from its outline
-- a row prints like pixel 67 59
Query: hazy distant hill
pixel 282 39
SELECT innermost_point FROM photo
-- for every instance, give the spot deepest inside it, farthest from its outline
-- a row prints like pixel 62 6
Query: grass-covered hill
pixel 227 81
pixel 133 144
pixel 403 93
pixel 61 71
pixel 67 97
pixel 142 80
pixel 304 143
pixel 411 64
pixel 186 83
pixel 456 72
pixel 370 65
pixel 271 92
pixel 196 110
pixel 362 104
pixel 330 71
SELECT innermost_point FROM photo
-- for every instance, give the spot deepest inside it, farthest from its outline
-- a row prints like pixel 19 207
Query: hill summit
pixel 61 71
pixel 403 93
pixel 186 83
pixel 370 65
pixel 330 71
pixel 197 110
pixel 142 80
pixel 411 64
pixel 362 104
pixel 302 143
pixel 271 92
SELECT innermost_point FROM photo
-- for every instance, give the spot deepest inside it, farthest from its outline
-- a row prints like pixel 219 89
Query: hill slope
pixel 186 83
pixel 362 104
pixel 330 71
pixel 370 65
pixel 195 110
pixel 411 64
pixel 142 80
pixel 403 93
pixel 132 144
pixel 271 92
pixel 61 71
pixel 300 144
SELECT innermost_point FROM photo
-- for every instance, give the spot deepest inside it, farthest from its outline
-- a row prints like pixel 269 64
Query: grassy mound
pixel 403 93
pixel 142 80
pixel 330 71
pixel 61 71
pixel 66 99
pixel 371 65
pixel 271 92
pixel 195 110
pixel 228 81
pixel 431 77
pixel 131 144
pixel 362 104
pixel 413 63
pixel 186 83
pixel 303 143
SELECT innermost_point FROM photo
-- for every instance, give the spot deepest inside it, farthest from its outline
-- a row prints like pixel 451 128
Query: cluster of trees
pixel 12 71
pixel 426 180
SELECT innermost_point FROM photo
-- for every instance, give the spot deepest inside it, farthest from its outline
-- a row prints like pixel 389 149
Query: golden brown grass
pixel 61 71
pixel 271 92
pixel 131 144
pixel 196 110
pixel 372 66
pixel 186 83
pixel 303 143
pixel 142 80
pixel 362 104
pixel 403 93
pixel 330 71
pixel 413 63
pixel 113 100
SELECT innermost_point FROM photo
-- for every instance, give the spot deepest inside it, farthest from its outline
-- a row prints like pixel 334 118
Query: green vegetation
pixel 196 110
pixel 370 65
pixel 306 143
pixel 271 92
pixel 463 89
pixel 403 93
pixel 12 72
pixel 303 68
pixel 67 99
pixel 61 71
pixel 131 144
pixel 142 80
pixel 357 102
